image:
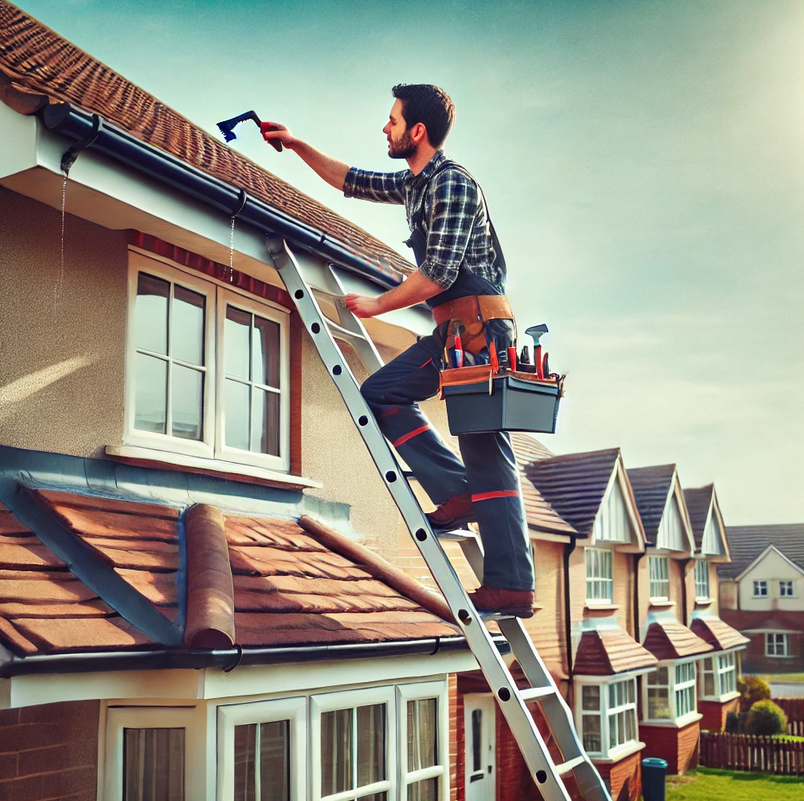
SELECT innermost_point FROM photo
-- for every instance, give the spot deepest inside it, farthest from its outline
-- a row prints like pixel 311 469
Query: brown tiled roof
pixel 717 633
pixel 772 619
pixel 36 60
pixel 604 652
pixel 651 486
pixel 671 640
pixel 289 585
pixel 698 501
pixel 746 543
pixel 574 485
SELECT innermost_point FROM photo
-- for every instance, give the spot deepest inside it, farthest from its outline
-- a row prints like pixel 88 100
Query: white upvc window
pixel 669 692
pixel 702 580
pixel 786 589
pixel 261 749
pixel 607 712
pixel 208 369
pixel 777 644
pixel 684 689
pixel 424 741
pixel 719 675
pixel 599 578
pixel 760 589
pixel 146 754
pixel 659 569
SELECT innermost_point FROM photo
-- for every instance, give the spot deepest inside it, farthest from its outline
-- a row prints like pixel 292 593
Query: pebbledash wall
pixel 62 361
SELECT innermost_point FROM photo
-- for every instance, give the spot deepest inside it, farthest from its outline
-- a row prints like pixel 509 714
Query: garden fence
pixel 750 752
pixel 794 709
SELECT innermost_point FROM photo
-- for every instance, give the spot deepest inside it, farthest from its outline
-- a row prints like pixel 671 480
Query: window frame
pixel 420 692
pixel 760 584
pixel 718 672
pixel 606 712
pixel 351 699
pixel 603 557
pixel 120 718
pixel 778 638
pixel 254 713
pixel 701 581
pixel 217 294
pixel 654 580
pixel 674 689
pixel 784 585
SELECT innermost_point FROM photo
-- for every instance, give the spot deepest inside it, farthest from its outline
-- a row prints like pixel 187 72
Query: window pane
pixel 477 740
pixel 150 398
pixel 153 765
pixel 590 696
pixel 150 314
pixel 708 684
pixel 237 415
pixel 265 432
pixel 658 703
pixel 187 334
pixel 236 335
pixel 275 761
pixel 370 744
pixel 188 400
pixel 265 352
pixel 422 734
pixel 423 791
pixel 591 733
pixel 244 768
pixel 336 751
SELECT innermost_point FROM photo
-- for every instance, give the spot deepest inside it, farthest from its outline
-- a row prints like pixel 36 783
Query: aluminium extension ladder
pixel 292 268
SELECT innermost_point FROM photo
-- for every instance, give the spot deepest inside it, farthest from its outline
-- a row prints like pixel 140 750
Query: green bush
pixel 752 689
pixel 732 723
pixel 766 718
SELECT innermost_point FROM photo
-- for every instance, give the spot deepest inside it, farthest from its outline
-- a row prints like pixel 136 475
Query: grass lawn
pixel 709 784
pixel 784 678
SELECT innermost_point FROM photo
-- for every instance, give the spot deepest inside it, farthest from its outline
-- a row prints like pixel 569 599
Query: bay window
pixel 607 712
pixel 719 675
pixel 208 369
pixel 669 692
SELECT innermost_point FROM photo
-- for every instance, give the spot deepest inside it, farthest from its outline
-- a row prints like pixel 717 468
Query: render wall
pixel 772 569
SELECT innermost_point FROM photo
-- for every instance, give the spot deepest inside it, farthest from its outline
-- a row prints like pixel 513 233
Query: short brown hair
pixel 429 105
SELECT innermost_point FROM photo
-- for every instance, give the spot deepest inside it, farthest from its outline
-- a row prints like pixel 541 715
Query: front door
pixel 479 719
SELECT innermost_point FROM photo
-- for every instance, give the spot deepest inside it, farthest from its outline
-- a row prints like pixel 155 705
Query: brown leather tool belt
pixel 471 313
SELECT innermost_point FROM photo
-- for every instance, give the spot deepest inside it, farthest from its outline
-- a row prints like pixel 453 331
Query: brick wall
pixel 678 746
pixel 755 661
pixel 625 776
pixel 714 713
pixel 49 752
pixel 546 627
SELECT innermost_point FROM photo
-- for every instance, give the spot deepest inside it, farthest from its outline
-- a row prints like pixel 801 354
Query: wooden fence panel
pixel 794 709
pixel 751 753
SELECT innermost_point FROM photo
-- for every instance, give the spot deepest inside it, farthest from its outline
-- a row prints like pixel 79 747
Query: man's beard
pixel 403 149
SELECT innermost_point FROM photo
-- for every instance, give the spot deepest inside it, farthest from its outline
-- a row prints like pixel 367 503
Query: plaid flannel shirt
pixel 454 217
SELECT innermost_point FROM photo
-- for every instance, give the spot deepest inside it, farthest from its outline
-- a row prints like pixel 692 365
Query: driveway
pixel 787 690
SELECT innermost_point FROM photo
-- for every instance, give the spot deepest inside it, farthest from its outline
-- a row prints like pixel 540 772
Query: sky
pixel 643 165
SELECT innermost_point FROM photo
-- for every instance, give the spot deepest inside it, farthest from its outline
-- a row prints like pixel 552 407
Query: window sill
pixel 703 601
pixel 661 604
pixel 720 699
pixel 679 723
pixel 595 607
pixel 150 457
pixel 618 754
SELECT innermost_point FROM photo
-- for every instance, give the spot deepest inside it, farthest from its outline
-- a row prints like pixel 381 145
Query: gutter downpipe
pixel 637 559
pixel 229 659
pixel 568 550
pixel 80 126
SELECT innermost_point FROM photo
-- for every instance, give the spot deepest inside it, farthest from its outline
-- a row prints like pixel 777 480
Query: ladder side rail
pixel 531 742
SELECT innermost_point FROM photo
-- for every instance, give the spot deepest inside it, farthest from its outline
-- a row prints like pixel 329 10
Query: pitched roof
pixel 651 486
pixel 669 639
pixel 746 543
pixel 574 485
pixel 717 633
pixel 604 652
pixel 251 581
pixel 698 502
pixel 36 61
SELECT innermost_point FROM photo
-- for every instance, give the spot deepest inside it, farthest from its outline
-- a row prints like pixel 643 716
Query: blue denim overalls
pixel 488 470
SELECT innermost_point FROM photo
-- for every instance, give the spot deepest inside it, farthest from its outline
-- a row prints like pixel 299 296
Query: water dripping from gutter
pixel 231 251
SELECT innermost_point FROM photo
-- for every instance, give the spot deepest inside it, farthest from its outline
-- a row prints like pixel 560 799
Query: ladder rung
pixel 534 693
pixel 457 535
pixel 569 765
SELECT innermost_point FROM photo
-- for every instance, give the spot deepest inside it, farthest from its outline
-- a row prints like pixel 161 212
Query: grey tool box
pixel 478 402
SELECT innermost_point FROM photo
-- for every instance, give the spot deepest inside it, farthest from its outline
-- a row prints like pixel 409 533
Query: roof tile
pixel 671 640
pixel 87 634
pixel 651 486
pixel 717 633
pixel 746 543
pixel 605 652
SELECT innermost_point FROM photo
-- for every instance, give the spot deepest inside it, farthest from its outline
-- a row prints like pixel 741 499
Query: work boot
pixel 454 513
pixel 507 602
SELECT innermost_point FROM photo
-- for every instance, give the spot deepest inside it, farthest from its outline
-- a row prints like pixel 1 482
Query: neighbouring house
pixel 670 724
pixel 762 595
pixel 185 611
pixel 718 672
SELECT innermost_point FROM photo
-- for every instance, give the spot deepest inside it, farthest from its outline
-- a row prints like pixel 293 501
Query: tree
pixel 752 689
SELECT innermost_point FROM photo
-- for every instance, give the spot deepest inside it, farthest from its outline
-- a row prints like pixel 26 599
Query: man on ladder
pixel 460 275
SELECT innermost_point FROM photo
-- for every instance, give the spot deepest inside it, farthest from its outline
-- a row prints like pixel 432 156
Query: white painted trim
pixel 604 711
pixel 619 754
pixel 759 558
pixel 231 715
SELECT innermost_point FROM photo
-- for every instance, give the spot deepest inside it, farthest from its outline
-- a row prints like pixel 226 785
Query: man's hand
pixel 362 306
pixel 279 134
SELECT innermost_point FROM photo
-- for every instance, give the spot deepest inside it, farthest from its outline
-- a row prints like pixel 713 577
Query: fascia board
pixel 18 133
pixel 630 504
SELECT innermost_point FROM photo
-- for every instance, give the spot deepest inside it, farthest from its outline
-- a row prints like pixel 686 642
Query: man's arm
pixel 414 289
pixel 331 170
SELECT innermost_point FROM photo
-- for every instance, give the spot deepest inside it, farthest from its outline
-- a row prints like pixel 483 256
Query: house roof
pixel 651 486
pixel 717 633
pixel 698 502
pixel 669 639
pixel 574 485
pixel 604 652
pixel 37 66
pixel 135 576
pixel 748 543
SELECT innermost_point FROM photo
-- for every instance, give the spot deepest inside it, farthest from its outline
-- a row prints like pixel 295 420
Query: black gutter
pixel 567 599
pixel 227 660
pixel 90 130
pixel 637 559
